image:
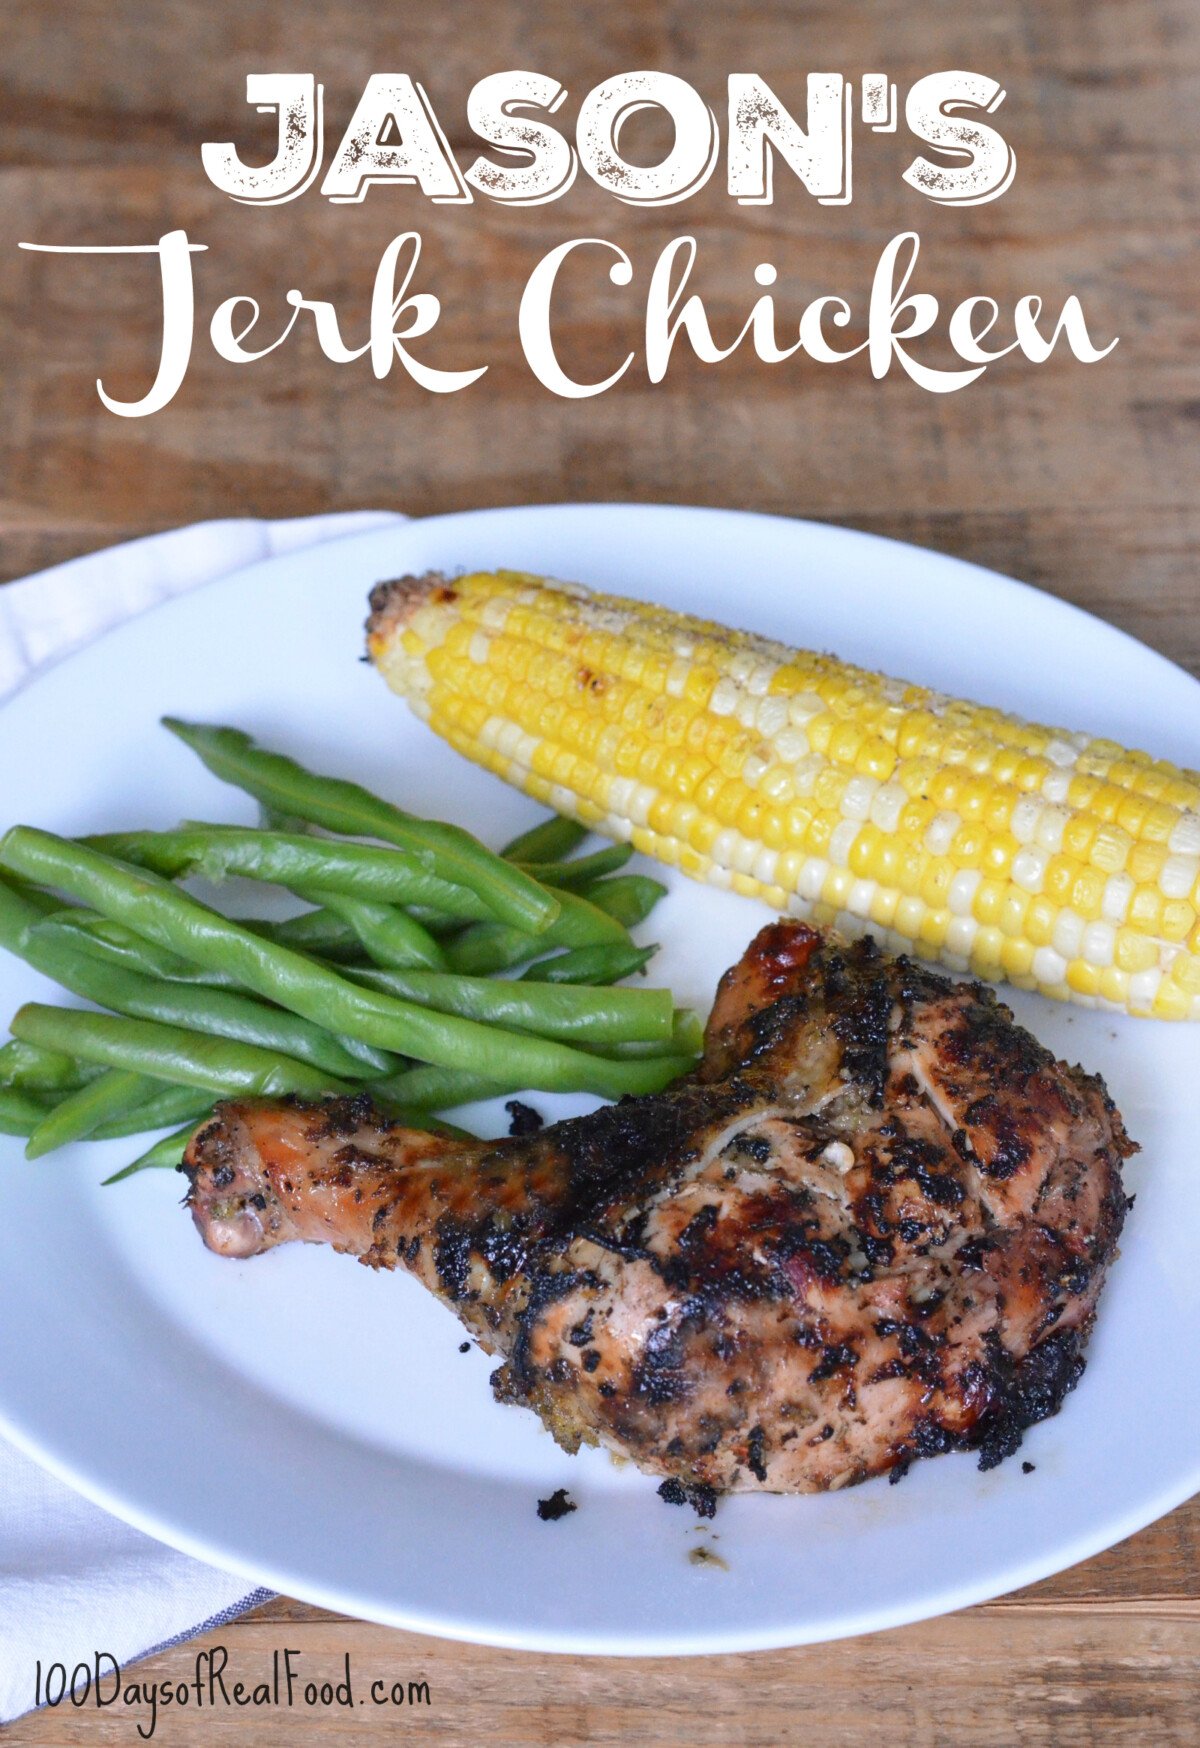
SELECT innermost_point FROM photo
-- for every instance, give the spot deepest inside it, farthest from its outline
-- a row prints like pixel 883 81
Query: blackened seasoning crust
pixel 559 1504
pixel 871 1228
pixel 703 1500
pixel 523 1119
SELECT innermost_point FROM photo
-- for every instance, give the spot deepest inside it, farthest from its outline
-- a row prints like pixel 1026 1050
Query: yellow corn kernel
pixel 1016 958
pixel 1083 978
pixel 1135 952
pixel 780 772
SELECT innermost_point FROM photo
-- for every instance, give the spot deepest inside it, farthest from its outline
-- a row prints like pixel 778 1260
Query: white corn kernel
pixel 887 804
pixel 1143 987
pixel 960 935
pixel 1068 933
pixel 1179 876
pixel 1185 834
pixel 723 847
pixel 1049 967
pixel 963 888
pixel 1099 944
pixel 643 800
pixel 1051 824
pixel 764 866
pixel 791 744
pixel 807 771
pixel 1024 821
pixel 1029 868
pixel 841 842
pixel 494 613
pixel 508 740
pixel 620 795
pixel 812 877
pixel 939 834
pixel 1118 894
pixel 803 706
pixel 857 798
pixel 772 716
pixel 677 678
pixel 861 897
pixel 745 854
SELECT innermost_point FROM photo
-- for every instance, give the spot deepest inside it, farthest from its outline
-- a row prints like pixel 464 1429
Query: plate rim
pixel 952 1596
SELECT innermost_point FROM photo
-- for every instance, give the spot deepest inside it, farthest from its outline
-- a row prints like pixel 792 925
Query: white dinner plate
pixel 312 1424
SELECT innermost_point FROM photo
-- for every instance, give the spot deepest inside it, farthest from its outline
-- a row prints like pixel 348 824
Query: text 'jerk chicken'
pixel 873 1226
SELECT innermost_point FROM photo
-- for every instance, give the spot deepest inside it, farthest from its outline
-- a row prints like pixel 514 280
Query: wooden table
pixel 1078 478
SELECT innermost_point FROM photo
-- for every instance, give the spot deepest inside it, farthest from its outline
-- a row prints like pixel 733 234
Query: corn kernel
pixel 1178 918
pixel 1043 856
pixel 1171 1002
pixel 1134 952
pixel 1040 920
pixel 1016 957
pixel 1083 978
pixel 989 902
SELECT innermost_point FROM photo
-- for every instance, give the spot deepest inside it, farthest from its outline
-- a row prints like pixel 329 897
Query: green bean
pixel 312 931
pixel 80 1114
pixel 220 852
pixel 171 1053
pixel 583 870
pixel 594 965
pixel 440 1089
pixel 29 1070
pixel 389 934
pixel 304 986
pixel 34 896
pixel 629 898
pixel 565 1011
pixel 686 1039
pixel 687 1033
pixel 487 947
pixel 548 841
pixel 166 1106
pixel 342 806
pixel 100 938
pixel 166 1154
pixel 223 1012
pixel 272 820
pixel 164 1109
pixel 21 1112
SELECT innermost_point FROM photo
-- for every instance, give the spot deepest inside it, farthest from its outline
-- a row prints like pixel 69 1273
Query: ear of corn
pixel 1057 861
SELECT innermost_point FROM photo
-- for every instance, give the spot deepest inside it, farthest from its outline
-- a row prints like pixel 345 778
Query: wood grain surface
pixel 1080 479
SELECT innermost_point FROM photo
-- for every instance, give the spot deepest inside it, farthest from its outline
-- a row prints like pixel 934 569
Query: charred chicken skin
pixel 873 1226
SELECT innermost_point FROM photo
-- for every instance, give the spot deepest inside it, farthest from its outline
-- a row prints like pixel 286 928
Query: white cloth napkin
pixel 73 1580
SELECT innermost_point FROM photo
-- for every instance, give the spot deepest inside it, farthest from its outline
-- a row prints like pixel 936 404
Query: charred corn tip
pixel 393 604
pixel 1056 860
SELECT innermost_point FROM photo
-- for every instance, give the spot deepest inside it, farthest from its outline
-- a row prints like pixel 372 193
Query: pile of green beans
pixel 385 984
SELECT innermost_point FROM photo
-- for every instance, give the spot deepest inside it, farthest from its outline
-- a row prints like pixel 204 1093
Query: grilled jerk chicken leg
pixel 873 1226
